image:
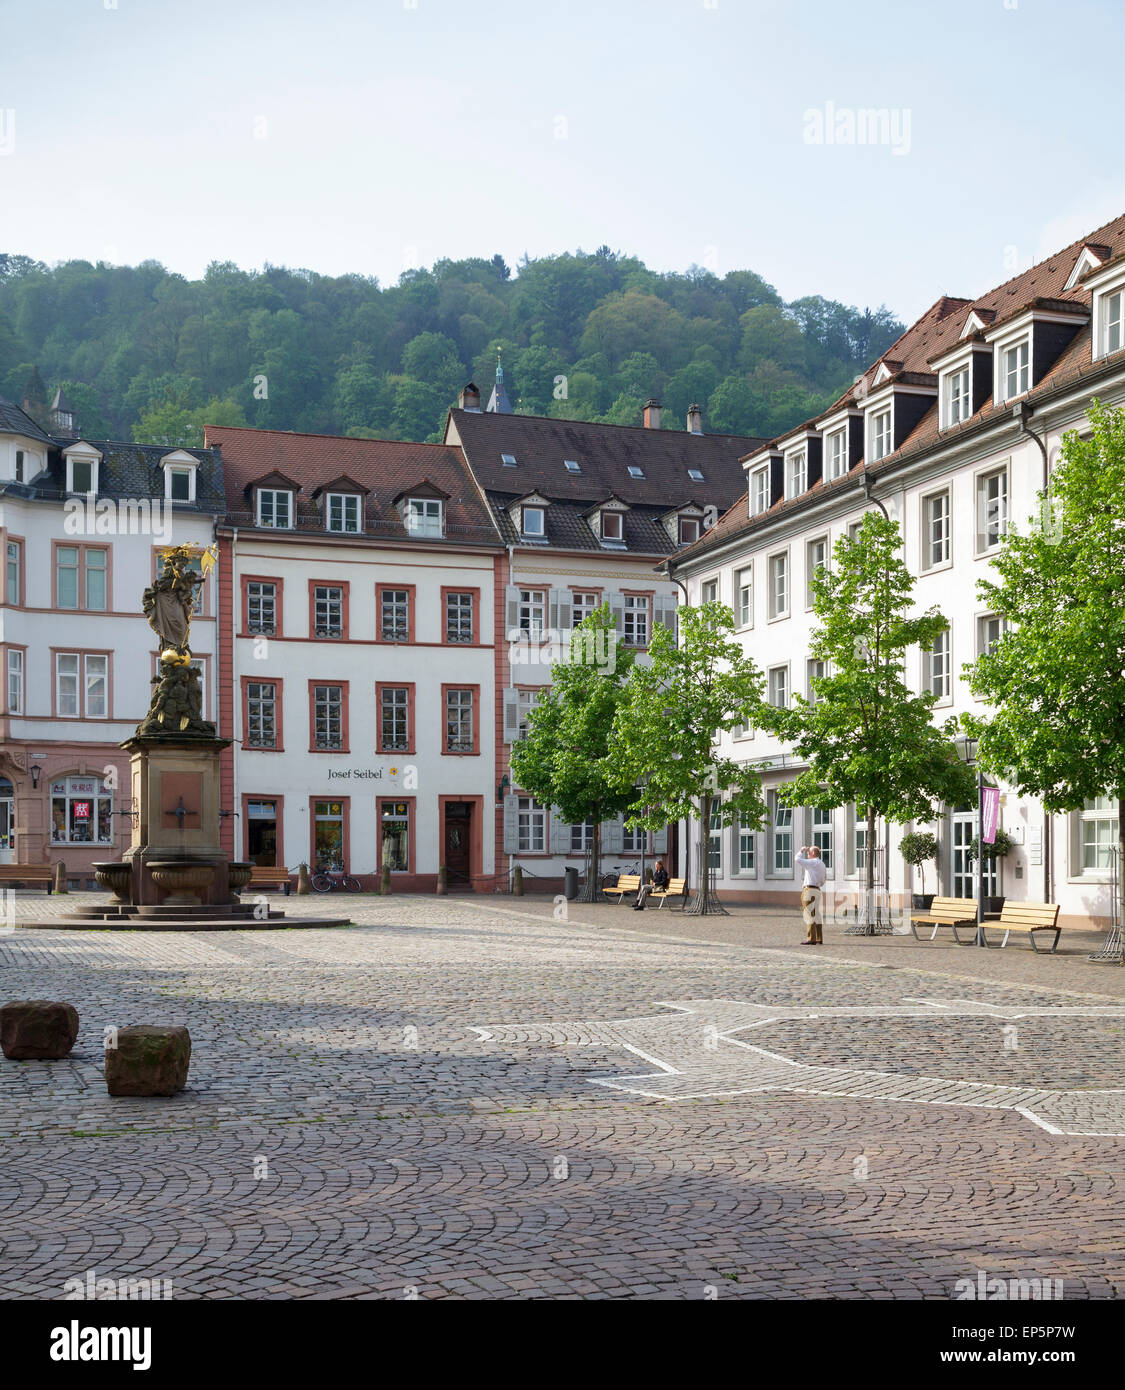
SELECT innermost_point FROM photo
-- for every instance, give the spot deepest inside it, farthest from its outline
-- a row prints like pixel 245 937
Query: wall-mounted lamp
pixel 504 782
pixel 35 771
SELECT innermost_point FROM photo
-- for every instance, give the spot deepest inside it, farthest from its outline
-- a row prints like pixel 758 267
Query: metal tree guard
pixel 706 900
pixel 1112 950
pixel 876 906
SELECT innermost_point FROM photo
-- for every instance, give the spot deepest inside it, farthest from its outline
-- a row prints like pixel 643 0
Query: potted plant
pixel 996 850
pixel 916 848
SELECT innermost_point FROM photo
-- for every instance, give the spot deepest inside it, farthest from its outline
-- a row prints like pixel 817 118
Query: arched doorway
pixel 7 822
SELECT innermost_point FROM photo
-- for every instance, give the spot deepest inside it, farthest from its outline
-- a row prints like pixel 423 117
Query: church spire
pixel 498 402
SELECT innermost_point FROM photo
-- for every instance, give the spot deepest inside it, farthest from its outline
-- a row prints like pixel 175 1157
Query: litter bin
pixel 570 884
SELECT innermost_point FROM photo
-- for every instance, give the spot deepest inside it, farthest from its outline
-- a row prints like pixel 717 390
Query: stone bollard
pixel 37 1029
pixel 303 885
pixel 148 1061
pixel 442 881
pixel 517 881
pixel 60 878
pixel 385 880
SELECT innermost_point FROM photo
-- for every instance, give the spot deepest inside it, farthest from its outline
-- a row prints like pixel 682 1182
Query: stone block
pixel 148 1061
pixel 37 1029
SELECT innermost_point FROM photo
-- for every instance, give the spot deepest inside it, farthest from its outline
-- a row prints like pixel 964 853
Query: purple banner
pixel 989 814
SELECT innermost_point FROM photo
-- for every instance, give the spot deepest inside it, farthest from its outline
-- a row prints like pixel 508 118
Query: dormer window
pixel 836 449
pixel 179 476
pixel 796 474
pixel 533 522
pixel 82 470
pixel 1015 374
pixel 275 508
pixel 955 397
pixel 880 435
pixel 572 465
pixel 343 513
pixel 688 529
pixel 613 528
pixel 424 516
pixel 759 491
pixel 1111 337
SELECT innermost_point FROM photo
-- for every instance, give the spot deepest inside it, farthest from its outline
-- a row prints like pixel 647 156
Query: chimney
pixel 468 398
pixel 694 420
pixel 652 414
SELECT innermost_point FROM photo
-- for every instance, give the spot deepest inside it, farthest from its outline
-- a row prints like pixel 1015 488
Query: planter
pixel 239 875
pixel 180 881
pixel 922 902
pixel 994 906
pixel 115 877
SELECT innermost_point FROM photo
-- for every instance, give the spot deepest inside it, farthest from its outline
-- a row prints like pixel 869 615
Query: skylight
pixel 695 475
pixel 635 471
pixel 572 466
pixel 508 460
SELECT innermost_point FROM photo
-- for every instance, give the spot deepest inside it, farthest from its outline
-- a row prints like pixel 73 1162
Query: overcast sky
pixel 371 135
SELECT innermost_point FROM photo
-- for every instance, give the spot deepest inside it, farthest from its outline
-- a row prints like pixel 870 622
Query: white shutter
pixel 553 609
pixel 511 824
pixel 617 610
pixel 666 611
pixel 565 608
pixel 660 841
pixel 560 834
pixel 513 605
pixel 511 715
pixel 613 835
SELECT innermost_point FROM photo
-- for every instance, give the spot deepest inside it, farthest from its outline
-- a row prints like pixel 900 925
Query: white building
pixel 952 432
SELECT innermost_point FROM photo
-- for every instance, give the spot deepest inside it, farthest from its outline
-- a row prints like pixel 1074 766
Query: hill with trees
pixel 146 354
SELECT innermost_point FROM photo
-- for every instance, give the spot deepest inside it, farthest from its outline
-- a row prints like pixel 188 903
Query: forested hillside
pixel 148 355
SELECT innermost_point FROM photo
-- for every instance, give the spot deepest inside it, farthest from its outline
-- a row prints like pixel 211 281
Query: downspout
pixel 865 484
pixel 1022 414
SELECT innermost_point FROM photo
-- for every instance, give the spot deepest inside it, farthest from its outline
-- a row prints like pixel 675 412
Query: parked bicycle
pixel 325 879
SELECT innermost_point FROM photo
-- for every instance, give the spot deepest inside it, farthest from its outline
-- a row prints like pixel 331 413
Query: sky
pixel 370 136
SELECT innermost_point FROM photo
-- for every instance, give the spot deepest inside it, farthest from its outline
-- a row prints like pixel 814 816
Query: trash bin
pixel 570 885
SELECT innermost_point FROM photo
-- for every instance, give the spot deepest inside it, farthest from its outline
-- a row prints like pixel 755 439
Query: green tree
pixel 1056 678
pixel 567 759
pixel 866 737
pixel 663 739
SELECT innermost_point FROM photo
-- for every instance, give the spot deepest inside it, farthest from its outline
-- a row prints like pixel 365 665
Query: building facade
pixel 952 433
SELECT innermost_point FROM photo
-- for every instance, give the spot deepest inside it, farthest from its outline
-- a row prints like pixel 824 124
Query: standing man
pixel 815 873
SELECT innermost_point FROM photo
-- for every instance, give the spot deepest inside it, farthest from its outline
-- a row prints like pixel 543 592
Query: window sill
pixel 261 748
pixel 778 618
pixel 937 569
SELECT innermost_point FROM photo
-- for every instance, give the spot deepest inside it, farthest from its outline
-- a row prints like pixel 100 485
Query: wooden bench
pixel 627 883
pixel 269 873
pixel 28 873
pixel 947 912
pixel 1029 918
pixel 676 889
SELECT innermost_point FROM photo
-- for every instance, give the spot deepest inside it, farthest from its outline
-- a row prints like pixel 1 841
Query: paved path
pixel 468 1098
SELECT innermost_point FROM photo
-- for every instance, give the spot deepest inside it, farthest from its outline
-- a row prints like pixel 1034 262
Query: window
pixel 746 598
pixel 328 611
pixel 80 577
pixel 990 629
pixel 67 694
pixel 261 714
pixel 857 840
pixel 343 513
pixel 1015 374
pixel 179 484
pixel 14 593
pixel 395 851
pixel 1111 322
pixel 532 826
pixel 815 670
pixel 394 719
pixel 533 611
pixel 572 465
pixel 636 620
pixel 1097 834
pixel 423 516
pixel 97 687
pixel 15 680
pixel 19 466
pixel 781 836
pixel 612 529
pixel 525 703
pixel 81 685
pixel 328 716
pixel 935 531
pixel 992 508
pixel 939 673
pixel 854 528
pixel 709 592
pixel 459 725
pixel 688 529
pixel 508 460
pixel 821 834
pixel 779 686
pixel 81 475
pixel 816 557
pixel 837 448
pixel 275 508
pixel 81 811
pixel 880 435
pixel 533 522
pixel 458 617
pixel 328 835
pixel 759 491
pixel 581 606
pixel 582 837
pixel 745 847
pixel 634 841
pixel 635 471
pixel 796 472
pixel 957 404
pixel 261 607
pixel 779 585
pixel 394 615
pixel 715 838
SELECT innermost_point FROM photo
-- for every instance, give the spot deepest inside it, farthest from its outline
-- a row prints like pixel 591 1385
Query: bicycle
pixel 324 880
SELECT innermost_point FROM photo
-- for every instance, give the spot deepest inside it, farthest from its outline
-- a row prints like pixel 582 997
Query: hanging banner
pixel 989 814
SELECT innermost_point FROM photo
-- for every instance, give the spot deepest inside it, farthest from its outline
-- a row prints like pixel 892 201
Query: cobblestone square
pixel 466 1098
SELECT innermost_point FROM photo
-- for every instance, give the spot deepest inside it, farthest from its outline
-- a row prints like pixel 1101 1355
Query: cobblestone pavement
pixel 469 1099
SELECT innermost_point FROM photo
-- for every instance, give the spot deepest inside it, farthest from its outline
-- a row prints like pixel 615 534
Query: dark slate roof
pixel 604 452
pixel 130 470
pixel 569 529
pixel 13 420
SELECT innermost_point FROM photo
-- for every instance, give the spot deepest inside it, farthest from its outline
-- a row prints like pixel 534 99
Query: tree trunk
pixel 1121 863
pixel 869 874
pixel 704 902
pixel 589 892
